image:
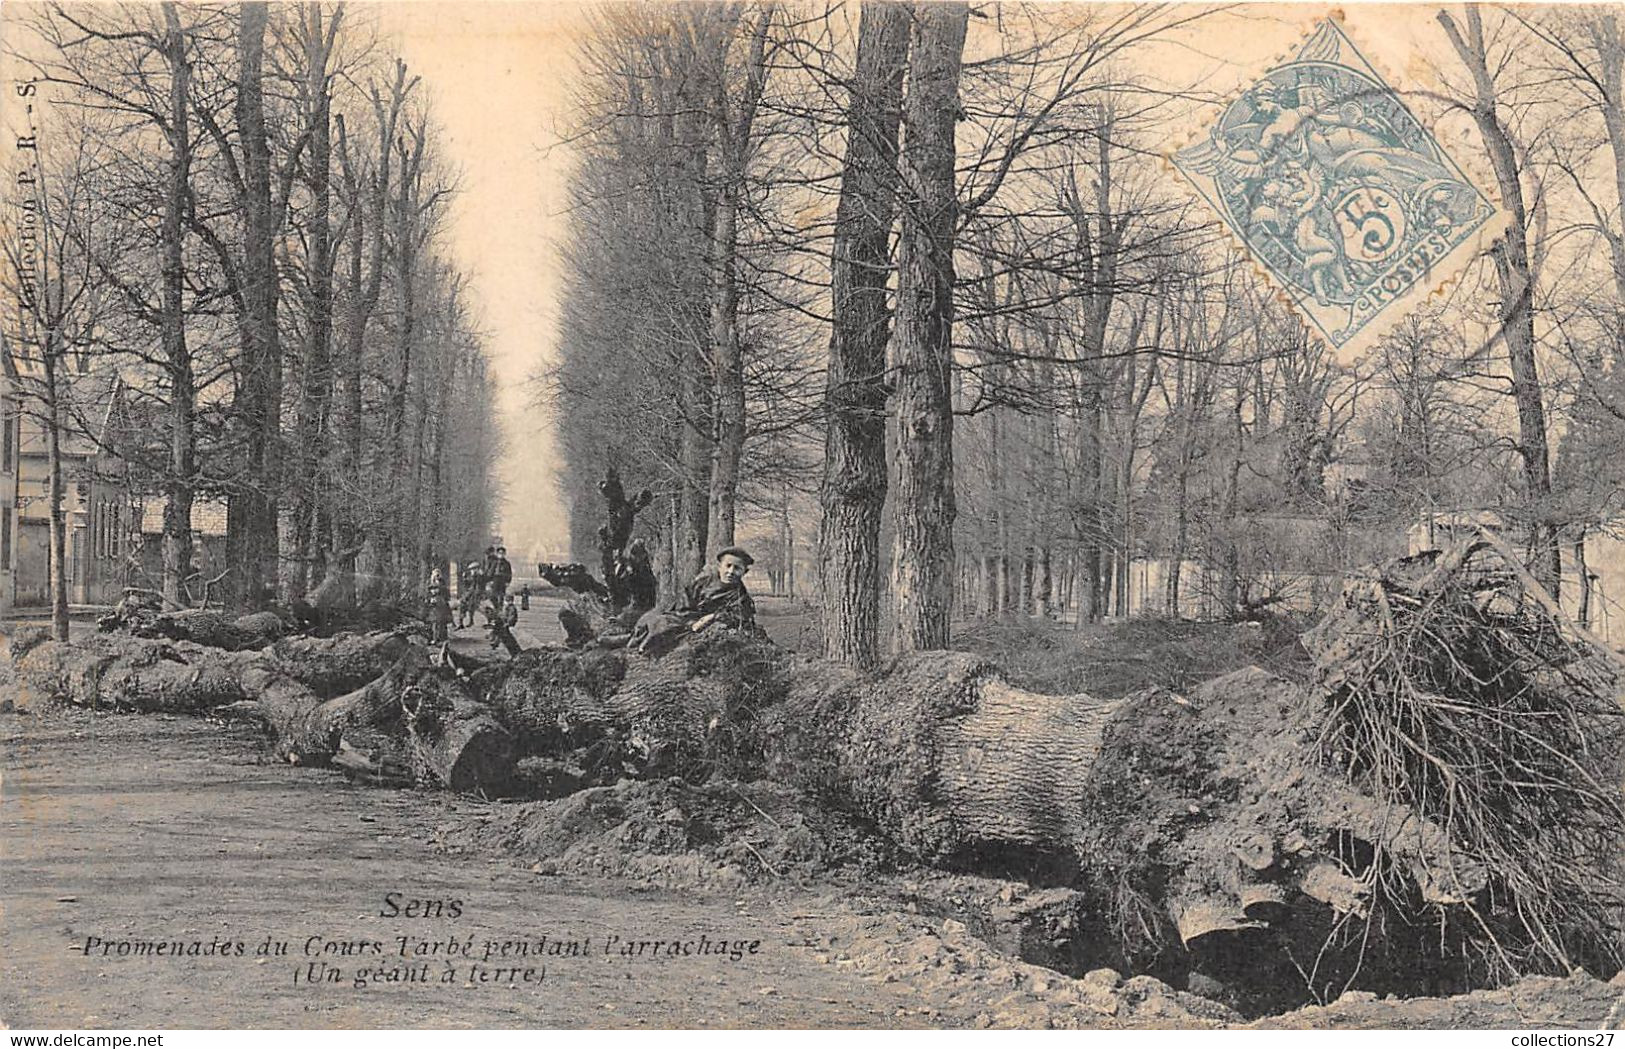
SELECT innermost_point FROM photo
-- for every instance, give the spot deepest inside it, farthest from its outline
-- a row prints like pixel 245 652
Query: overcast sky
pixel 497 73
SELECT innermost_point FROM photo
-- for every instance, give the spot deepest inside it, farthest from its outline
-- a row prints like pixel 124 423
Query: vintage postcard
pixel 810 515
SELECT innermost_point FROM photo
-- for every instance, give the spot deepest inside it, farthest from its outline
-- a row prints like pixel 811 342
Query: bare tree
pixel 854 483
pixel 317 32
pixel 732 119
pixel 1511 255
pixel 922 575
pixel 55 297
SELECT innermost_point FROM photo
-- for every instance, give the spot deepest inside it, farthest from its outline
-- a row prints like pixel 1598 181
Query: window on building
pixel 8 435
pixel 5 536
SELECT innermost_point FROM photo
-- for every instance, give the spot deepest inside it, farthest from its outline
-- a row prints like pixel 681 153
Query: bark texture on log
pixel 128 674
pixel 690 713
pixel 1189 820
pixel 204 627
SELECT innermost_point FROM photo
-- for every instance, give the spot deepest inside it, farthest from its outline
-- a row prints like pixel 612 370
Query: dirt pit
pixel 1010 954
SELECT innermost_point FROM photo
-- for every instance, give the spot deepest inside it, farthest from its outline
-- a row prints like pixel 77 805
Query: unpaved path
pixel 131 828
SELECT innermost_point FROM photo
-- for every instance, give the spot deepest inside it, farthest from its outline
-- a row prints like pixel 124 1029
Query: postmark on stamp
pixel 1338 191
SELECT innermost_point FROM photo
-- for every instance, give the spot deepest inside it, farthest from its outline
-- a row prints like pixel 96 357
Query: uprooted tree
pixel 1441 806
pixel 628 586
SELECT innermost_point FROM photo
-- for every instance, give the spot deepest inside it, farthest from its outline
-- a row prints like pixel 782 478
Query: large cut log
pixel 125 673
pixel 418 721
pixel 332 666
pixel 1217 795
pixel 692 713
pixel 117 672
pixel 210 628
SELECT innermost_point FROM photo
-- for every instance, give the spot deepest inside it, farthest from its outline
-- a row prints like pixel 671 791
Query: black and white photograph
pixel 811 515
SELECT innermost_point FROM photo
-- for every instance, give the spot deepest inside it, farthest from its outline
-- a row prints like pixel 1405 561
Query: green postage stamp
pixel 1338 191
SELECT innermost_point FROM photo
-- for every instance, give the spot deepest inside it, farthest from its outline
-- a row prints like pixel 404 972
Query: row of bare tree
pixel 1040 365
pixel 243 208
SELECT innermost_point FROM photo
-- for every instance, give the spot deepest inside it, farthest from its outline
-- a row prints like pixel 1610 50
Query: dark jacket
pixel 729 602
pixel 439 603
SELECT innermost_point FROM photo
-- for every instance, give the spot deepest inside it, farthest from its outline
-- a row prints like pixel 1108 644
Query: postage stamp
pixel 1338 191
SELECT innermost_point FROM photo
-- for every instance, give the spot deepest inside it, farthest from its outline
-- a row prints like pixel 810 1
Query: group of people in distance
pixel 716 597
pixel 477 581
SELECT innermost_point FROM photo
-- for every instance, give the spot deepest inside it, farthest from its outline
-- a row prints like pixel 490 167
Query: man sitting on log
pixel 716 596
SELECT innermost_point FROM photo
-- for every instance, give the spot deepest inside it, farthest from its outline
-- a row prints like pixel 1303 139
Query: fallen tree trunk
pixel 124 673
pixel 208 628
pixel 1220 824
pixel 1209 796
pixel 118 672
pixel 443 732
pixel 418 722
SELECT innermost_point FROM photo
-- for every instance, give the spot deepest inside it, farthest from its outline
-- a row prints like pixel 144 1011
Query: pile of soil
pixel 1576 1002
pixel 718 836
pixel 940 958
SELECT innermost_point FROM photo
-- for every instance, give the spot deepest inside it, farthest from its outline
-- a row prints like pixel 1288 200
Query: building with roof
pixel 144 561
pixel 97 500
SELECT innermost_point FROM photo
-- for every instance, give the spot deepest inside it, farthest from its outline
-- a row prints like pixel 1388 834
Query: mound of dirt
pixel 1578 1001
pixel 718 835
pixel 941 959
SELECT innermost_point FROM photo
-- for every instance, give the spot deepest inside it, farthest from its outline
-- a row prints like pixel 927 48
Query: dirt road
pixel 211 887
pixel 129 832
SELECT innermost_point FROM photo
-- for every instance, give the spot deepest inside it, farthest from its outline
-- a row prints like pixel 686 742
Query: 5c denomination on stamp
pixel 1337 191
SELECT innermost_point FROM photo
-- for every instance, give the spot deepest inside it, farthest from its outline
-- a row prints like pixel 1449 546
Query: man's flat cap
pixel 736 551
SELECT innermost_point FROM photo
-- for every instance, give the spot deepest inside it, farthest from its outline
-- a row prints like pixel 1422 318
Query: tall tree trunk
pixel 438 545
pixel 999 493
pixel 923 508
pixel 694 508
pixel 1582 575
pixel 316 389
pixel 787 544
pixel 1099 234
pixel 734 126
pixel 55 486
pixel 1230 595
pixel 364 279
pixel 396 555
pixel 1043 593
pixel 253 509
pixel 1092 517
pixel 728 367
pixel 1512 268
pixel 182 467
pixel 854 483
